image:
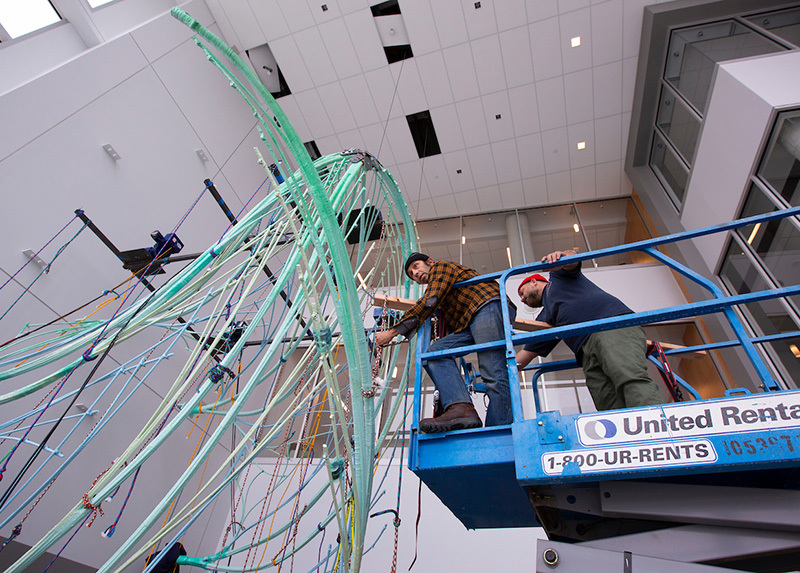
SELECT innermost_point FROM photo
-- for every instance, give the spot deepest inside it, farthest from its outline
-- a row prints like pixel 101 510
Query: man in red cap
pixel 473 315
pixel 614 361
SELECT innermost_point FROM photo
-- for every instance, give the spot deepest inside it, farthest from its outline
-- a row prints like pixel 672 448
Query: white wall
pixel 443 543
pixel 153 95
pixel 738 120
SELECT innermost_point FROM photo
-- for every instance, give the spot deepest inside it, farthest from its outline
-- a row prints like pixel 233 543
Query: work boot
pixel 457 417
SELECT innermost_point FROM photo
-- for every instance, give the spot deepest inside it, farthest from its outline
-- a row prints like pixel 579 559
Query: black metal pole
pixel 148 285
pixel 232 218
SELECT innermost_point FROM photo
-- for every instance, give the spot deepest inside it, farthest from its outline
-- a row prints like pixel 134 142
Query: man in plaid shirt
pixel 473 316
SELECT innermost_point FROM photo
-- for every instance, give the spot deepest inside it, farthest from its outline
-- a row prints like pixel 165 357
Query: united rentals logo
pixel 600 429
pixel 749 413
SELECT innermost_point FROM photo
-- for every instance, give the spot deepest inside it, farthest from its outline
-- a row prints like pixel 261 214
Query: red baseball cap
pixel 529 279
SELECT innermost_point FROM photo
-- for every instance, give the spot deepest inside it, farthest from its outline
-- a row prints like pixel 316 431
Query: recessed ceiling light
pixel 576 227
pixel 575 42
pixel 794 350
pixel 581 145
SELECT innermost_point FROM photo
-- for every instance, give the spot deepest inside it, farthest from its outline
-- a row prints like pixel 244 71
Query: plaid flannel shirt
pixel 458 305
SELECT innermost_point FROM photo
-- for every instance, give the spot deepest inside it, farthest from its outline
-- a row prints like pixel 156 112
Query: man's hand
pixel 385 337
pixel 555 256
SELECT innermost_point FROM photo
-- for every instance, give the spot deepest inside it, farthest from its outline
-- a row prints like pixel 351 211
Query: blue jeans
pixel 485 326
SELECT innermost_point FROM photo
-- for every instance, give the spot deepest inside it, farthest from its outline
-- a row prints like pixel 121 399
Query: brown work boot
pixel 456 417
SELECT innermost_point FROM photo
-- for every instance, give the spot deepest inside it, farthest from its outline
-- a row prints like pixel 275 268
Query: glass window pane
pixel 783 23
pixel 775 243
pixel 670 169
pixel 767 317
pixel 780 168
pixel 680 125
pixel 694 51
pixel 20 17
pixel 611 223
pixel 440 239
pixel 486 243
pixel 554 229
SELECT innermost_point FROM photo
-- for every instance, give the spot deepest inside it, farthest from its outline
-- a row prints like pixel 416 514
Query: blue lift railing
pixel 719 303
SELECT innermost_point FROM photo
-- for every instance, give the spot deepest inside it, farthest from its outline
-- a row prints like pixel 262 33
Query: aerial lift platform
pixel 699 485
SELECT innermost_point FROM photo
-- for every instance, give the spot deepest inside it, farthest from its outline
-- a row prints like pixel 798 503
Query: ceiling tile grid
pixel 466 202
pixel 579 95
pixel 473 125
pixel 581 142
pixel 608 138
pixel 535 190
pixel 607 86
pixel 524 110
pixel 461 71
pixel 433 74
pixel 335 102
pixel 607 178
pixel 269 16
pixel 459 171
pixel 497 114
pixel 632 14
pixel 434 170
pixel 583 183
pixel 565 6
pixel 240 14
pixel 321 16
pixel 488 198
pixel 402 144
pixel 486 55
pixel 576 25
pixel 559 187
pixel 511 195
pixel 366 41
pixel 448 128
pixel 315 56
pixel 480 18
pixel 421 26
pixel 546 49
pixel 506 161
pixel 314 112
pixel 628 82
pixel 483 170
pixel 531 155
pixel 510 97
pixel 509 14
pixel 360 100
pixel 541 9
pixel 606 32
pixel 297 15
pixel 450 24
pixel 339 45
pixel 517 57
pixel 408 82
pixel 552 103
pixel 291 63
pixel 556 153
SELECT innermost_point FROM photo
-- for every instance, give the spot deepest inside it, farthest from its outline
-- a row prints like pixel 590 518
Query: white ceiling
pixel 510 58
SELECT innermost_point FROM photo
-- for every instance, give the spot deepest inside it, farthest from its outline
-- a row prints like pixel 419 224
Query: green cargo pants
pixel 616 369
